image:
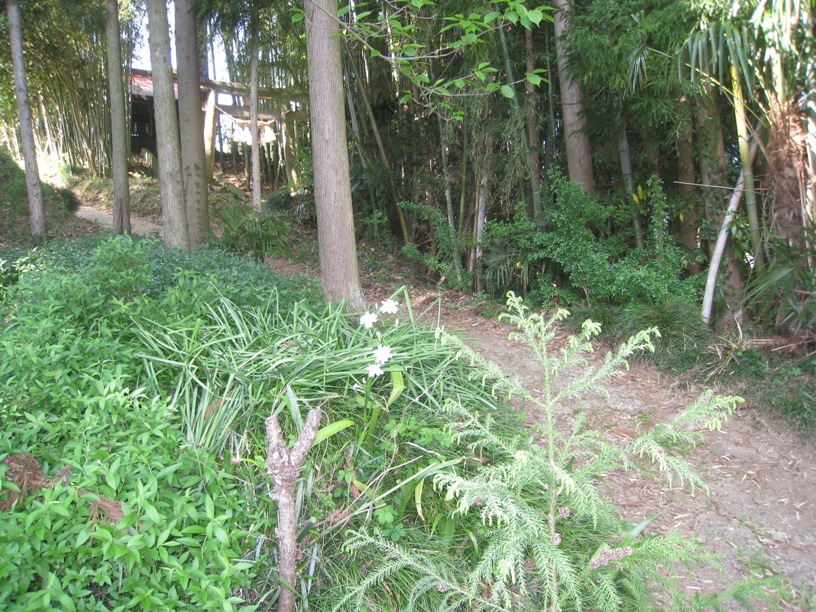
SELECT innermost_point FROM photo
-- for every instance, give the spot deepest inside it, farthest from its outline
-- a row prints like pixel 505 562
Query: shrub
pixel 683 338
pixel 258 236
pixel 117 511
pixel 581 250
pixel 446 261
pixel 127 519
pixel 787 286
pixel 70 203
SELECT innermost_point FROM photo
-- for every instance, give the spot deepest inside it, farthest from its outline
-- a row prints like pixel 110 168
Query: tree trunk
pixel 689 223
pixel 119 144
pixel 549 148
pixel 747 171
pixel 463 180
pixel 722 239
pixel 35 199
pixel 579 157
pixel 711 152
pixel 283 464
pixel 335 220
pixel 289 151
pixel 210 126
pixel 532 117
pixel 191 123
pixel 535 186
pixel 629 185
pixel 453 237
pixel 253 111
pixel 481 215
pixel 375 130
pixel 167 129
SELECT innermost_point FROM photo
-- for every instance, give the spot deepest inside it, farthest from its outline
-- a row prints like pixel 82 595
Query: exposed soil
pixel 760 514
pixel 140 226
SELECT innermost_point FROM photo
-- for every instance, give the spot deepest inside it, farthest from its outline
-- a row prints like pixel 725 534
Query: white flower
pixel 382 354
pixel 389 306
pixel 374 370
pixel 368 320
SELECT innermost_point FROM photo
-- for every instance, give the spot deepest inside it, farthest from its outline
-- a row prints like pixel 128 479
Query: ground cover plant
pixel 136 384
pixel 60 205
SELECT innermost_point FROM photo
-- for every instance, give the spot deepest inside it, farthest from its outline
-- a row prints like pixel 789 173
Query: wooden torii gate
pixel 283 115
pixel 143 135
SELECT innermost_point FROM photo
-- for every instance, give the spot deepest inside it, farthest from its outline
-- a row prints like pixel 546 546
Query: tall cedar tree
pixel 119 152
pixel 35 198
pixel 167 130
pixel 335 223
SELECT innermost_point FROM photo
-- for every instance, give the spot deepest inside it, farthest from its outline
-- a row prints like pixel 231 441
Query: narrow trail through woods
pixel 760 514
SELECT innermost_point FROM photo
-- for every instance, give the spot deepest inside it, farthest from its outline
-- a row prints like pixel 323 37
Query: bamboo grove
pixel 683 124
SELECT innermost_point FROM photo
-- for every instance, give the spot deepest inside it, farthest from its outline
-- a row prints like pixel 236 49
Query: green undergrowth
pixel 60 204
pixel 784 385
pixel 780 383
pixel 134 385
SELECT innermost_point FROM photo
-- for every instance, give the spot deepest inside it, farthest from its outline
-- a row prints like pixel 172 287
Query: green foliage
pixel 789 389
pixel 582 251
pixel 462 33
pixel 76 301
pixel 446 261
pixel 683 338
pixel 786 288
pixel 258 236
pixel 280 201
pixel 60 205
pixel 134 514
pixel 538 532
pixel 128 520
pixel 150 385
pixel 785 384
pixel 68 200
pixel 11 263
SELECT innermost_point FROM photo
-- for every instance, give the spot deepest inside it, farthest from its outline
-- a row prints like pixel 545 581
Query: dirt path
pixel 760 514
pixel 140 226
pixel 761 511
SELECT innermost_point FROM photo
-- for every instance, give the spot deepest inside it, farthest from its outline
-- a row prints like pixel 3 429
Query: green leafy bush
pixel 683 339
pixel 128 519
pixel 258 236
pixel 446 260
pixel 70 203
pixel 123 513
pixel 581 250
pixel 11 262
pixel 786 288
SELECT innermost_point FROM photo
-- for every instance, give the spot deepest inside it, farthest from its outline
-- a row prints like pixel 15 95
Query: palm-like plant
pixel 763 48
pixel 788 287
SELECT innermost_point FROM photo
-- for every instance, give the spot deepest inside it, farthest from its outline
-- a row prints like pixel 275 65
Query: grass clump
pixel 248 233
pixel 682 340
pixel 111 508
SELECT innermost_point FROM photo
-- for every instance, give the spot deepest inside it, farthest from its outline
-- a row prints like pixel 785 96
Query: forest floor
pixel 760 514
